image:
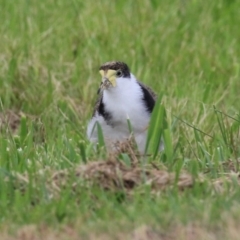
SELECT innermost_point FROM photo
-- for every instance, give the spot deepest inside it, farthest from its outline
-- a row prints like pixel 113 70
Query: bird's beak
pixel 105 84
pixel 108 79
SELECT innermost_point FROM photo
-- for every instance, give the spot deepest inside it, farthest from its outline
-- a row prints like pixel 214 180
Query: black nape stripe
pixel 148 99
pixel 102 111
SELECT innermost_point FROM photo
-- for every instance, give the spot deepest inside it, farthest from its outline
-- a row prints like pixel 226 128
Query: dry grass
pixel 175 232
pixel 10 119
pixel 115 175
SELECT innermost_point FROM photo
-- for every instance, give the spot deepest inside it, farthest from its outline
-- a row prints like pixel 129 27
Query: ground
pixel 55 185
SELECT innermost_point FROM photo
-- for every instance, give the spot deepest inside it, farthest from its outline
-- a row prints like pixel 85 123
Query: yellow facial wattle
pixel 109 75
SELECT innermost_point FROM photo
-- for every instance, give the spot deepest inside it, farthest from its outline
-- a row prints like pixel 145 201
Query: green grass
pixel 187 51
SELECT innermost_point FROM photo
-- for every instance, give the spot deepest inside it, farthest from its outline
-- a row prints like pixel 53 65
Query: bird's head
pixel 111 73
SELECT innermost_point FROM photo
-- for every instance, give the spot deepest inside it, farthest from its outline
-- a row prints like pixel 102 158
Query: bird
pixel 122 99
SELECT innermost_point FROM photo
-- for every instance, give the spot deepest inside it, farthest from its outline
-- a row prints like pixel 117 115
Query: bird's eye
pixel 119 73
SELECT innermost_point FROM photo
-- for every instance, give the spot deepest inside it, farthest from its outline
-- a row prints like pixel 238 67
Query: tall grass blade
pixel 101 142
pixel 156 127
pixel 168 146
pixel 221 125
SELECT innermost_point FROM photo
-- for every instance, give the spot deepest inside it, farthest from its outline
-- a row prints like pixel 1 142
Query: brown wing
pixel 97 104
pixel 149 97
pixel 151 92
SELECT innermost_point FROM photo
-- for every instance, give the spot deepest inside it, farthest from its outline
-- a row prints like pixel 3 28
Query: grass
pixel 187 51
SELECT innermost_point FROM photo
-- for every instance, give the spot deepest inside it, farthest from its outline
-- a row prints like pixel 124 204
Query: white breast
pixel 123 102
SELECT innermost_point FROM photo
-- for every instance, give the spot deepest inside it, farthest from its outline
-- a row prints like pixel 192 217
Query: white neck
pixel 125 102
pixel 127 89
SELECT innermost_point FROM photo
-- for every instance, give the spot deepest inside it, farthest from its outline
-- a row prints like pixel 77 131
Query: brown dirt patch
pixel 10 119
pixel 116 175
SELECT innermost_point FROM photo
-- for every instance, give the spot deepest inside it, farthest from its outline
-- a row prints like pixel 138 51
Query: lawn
pixel 55 185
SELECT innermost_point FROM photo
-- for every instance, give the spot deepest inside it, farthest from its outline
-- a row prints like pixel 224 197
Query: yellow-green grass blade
pixel 156 127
